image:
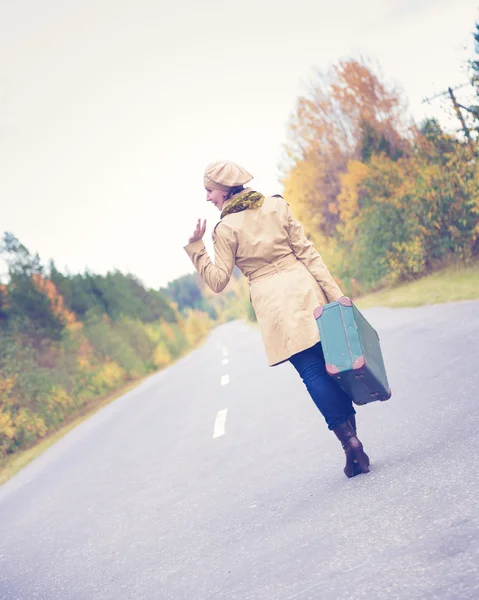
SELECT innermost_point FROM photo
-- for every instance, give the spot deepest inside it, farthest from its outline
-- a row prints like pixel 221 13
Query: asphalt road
pixel 141 501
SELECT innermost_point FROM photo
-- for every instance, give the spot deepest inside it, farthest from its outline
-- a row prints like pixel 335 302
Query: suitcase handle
pixel 344 301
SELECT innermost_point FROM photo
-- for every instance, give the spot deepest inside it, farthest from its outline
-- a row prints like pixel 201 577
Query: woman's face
pixel 217 197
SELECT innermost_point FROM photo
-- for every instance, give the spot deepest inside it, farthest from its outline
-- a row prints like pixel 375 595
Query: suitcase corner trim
pixel 332 369
pixel 345 301
pixel 359 363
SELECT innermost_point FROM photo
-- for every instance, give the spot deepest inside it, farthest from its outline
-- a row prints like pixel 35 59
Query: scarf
pixel 244 200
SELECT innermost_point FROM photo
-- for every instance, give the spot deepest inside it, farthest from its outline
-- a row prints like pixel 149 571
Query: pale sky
pixel 111 109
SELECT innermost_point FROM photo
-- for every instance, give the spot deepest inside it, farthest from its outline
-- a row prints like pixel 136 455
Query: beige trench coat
pixel 287 277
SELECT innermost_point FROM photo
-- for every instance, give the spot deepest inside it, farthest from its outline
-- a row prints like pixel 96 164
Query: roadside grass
pixel 447 285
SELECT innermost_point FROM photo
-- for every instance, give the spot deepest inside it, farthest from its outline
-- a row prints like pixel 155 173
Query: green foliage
pixel 115 294
pixel 415 213
pixel 187 293
pixel 81 294
pixel 374 141
pixel 111 344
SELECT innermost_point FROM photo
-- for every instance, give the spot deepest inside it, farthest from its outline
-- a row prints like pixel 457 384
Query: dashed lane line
pixel 220 422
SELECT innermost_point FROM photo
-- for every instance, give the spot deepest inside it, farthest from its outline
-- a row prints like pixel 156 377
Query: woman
pixel 288 280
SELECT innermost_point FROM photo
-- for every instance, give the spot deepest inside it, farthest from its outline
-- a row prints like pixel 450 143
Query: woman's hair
pixel 234 190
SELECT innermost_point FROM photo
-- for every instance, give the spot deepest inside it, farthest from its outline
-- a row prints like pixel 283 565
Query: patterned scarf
pixel 244 200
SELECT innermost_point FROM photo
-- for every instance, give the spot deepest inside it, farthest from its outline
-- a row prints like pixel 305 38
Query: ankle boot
pixel 357 460
pixel 356 468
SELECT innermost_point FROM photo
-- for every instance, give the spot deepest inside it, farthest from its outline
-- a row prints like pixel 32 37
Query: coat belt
pixel 275 267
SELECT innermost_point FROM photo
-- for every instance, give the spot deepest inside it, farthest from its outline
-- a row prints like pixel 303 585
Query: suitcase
pixel 352 352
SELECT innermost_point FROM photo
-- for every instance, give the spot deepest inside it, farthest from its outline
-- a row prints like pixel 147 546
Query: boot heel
pixel 362 460
pixel 360 464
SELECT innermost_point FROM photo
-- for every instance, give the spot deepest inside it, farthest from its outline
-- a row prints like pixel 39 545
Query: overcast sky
pixel 110 109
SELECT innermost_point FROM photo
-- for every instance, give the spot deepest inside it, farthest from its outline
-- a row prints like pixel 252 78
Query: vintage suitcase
pixel 352 351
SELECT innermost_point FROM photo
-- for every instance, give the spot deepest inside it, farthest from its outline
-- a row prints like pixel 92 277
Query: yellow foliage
pixel 6 386
pixel 109 376
pixel 160 333
pixel 161 356
pixel 59 398
pixel 196 326
pixel 350 182
pixel 404 260
pixel 305 200
pixel 153 331
pixel 347 204
pixel 303 197
pixel 83 363
pixel 7 430
pixel 28 425
pixel 7 427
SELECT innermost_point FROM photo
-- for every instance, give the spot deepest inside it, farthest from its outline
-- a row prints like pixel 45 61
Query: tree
pixel 3 303
pixel 187 293
pixel 347 114
pixel 474 64
pixel 27 306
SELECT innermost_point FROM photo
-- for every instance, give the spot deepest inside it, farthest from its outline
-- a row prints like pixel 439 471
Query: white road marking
pixel 225 361
pixel 225 379
pixel 225 351
pixel 220 421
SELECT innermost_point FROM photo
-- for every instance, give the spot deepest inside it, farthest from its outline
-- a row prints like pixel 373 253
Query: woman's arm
pixel 307 254
pixel 215 274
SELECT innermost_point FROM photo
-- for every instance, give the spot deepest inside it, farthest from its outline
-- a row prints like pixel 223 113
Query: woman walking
pixel 288 280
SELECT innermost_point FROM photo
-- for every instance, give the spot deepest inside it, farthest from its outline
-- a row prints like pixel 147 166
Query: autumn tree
pixel 28 308
pixel 347 114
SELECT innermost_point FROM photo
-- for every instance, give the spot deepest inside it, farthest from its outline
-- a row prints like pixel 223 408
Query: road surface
pixel 217 479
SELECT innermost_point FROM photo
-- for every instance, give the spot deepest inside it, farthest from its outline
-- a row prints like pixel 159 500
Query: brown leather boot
pixel 356 468
pixel 357 461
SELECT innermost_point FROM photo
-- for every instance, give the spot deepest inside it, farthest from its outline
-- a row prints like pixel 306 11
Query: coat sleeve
pixel 309 256
pixel 215 274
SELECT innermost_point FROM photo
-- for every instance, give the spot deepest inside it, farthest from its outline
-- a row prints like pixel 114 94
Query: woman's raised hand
pixel 199 232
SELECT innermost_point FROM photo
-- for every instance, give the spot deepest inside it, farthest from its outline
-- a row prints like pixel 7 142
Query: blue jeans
pixel 333 403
